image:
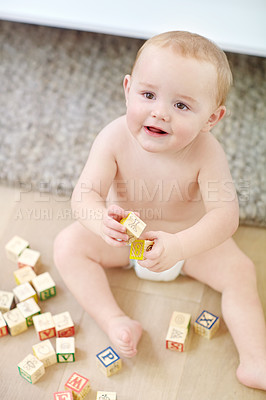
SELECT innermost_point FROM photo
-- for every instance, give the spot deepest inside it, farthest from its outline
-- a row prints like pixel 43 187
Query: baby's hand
pixel 113 232
pixel 165 253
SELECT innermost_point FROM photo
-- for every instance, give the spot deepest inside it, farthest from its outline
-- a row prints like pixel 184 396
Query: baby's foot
pixel 124 334
pixel 253 374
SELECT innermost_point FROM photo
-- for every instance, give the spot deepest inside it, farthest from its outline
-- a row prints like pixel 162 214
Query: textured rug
pixel 60 87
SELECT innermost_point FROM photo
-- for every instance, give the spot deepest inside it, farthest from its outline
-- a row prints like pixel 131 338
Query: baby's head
pixel 195 46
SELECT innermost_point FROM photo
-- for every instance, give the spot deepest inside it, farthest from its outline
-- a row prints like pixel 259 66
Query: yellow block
pixel 138 247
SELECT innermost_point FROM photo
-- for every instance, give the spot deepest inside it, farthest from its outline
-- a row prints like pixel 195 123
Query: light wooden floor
pixel 206 371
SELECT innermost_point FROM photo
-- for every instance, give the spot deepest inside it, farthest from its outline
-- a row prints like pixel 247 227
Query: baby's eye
pixel 149 96
pixel 181 106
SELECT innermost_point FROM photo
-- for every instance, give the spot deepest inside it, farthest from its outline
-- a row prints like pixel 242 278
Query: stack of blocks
pixel 177 334
pixel 135 226
pixel 206 324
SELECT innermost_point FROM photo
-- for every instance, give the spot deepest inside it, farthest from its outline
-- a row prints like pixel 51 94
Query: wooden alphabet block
pixel 44 286
pixel 44 326
pixel 15 321
pixel 23 275
pixel 64 325
pixel 78 385
pixel 206 324
pixel 3 326
pixel 7 301
pixel 135 226
pixel 24 292
pixel 31 258
pixel 108 361
pixel 31 369
pixel 106 396
pixel 15 247
pixel 138 247
pixel 65 349
pixel 176 338
pixel 45 352
pixel 180 320
pixel 67 395
pixel 28 309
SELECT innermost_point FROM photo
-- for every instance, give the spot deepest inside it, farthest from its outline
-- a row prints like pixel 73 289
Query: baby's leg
pixel 229 271
pixel 80 257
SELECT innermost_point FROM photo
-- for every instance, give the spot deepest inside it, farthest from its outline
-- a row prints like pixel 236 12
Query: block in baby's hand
pixel 31 369
pixel 66 395
pixel 65 349
pixel 45 352
pixel 135 226
pixel 15 247
pixel 206 324
pixel 23 275
pixel 6 301
pixel 108 361
pixel 31 258
pixel 44 286
pixel 24 292
pixel 64 325
pixel 138 247
pixel 3 326
pixel 106 396
pixel 176 338
pixel 79 386
pixel 16 323
pixel 28 309
pixel 44 326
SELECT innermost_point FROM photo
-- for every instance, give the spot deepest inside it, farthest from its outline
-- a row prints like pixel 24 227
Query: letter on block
pixel 180 320
pixel 29 257
pixel 64 325
pixel 15 247
pixel 31 369
pixel 15 321
pixel 176 338
pixel 44 286
pixel 108 361
pixel 135 226
pixel 28 309
pixel 3 326
pixel 23 275
pixel 106 396
pixel 206 324
pixel 79 386
pixel 6 301
pixel 45 352
pixel 24 292
pixel 65 349
pixel 67 395
pixel 138 247
pixel 44 326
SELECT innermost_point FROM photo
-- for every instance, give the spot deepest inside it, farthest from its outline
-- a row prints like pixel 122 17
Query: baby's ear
pixel 126 85
pixel 215 118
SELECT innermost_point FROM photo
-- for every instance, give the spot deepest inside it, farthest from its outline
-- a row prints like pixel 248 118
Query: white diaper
pixel 168 275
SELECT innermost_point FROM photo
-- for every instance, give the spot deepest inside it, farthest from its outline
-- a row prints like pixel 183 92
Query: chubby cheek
pixel 134 118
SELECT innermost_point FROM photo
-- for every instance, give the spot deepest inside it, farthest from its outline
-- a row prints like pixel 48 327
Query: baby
pixel 161 160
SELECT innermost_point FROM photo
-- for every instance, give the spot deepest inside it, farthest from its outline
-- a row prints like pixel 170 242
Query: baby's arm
pixel 218 224
pixel 89 195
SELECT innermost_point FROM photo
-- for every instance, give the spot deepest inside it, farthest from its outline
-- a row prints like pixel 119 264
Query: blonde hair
pixel 193 45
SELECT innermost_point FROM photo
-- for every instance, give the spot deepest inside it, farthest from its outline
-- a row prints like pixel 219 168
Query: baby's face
pixel 169 99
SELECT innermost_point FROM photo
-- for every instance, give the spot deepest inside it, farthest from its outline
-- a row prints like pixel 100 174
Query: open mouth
pixel 153 130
